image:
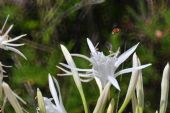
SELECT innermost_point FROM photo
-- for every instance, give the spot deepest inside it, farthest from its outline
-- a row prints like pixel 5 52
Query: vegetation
pixel 115 25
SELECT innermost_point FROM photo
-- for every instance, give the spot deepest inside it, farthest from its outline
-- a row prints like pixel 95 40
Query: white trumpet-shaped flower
pixel 103 67
pixel 56 96
pixel 5 40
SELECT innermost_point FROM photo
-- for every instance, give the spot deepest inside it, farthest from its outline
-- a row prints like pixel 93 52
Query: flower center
pixel 103 66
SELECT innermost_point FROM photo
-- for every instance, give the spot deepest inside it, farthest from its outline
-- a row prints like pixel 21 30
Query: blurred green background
pixel 120 23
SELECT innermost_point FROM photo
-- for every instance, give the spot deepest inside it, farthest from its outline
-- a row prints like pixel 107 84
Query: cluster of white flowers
pixel 103 67
pixel 103 71
pixel 6 93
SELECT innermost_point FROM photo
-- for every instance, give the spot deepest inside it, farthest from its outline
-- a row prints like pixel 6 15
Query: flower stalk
pixel 41 104
pixel 132 84
pixel 101 102
pixel 164 89
pixel 75 76
pixel 111 106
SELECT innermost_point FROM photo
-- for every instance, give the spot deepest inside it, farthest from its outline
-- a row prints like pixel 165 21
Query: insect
pixel 115 29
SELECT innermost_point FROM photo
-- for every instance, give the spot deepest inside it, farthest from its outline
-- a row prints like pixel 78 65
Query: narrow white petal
pixel 86 75
pixel 3 71
pixel 65 74
pixel 9 29
pixel 86 80
pixel 58 89
pixel 99 84
pixel 81 56
pixel 59 93
pixel 91 46
pixel 81 75
pixel 128 70
pixel 77 69
pixel 16 51
pixel 11 98
pixel 15 45
pixel 53 90
pixel 16 38
pixel 125 55
pixel 5 23
pixel 68 73
pixel 114 82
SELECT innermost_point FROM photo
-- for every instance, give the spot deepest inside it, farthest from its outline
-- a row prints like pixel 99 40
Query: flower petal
pixel 16 38
pixel 4 23
pixel 15 50
pixel 91 46
pixel 128 70
pixel 11 98
pixel 82 56
pixel 86 79
pixel 59 93
pixel 68 73
pixel 9 29
pixel 53 90
pixel 125 55
pixel 77 69
pixel 114 82
pixel 14 45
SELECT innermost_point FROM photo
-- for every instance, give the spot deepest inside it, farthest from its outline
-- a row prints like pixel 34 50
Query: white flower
pixel 103 67
pixel 6 93
pixel 50 106
pixel 5 40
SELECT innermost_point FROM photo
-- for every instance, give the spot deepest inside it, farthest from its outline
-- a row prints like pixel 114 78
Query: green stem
pixel 83 99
